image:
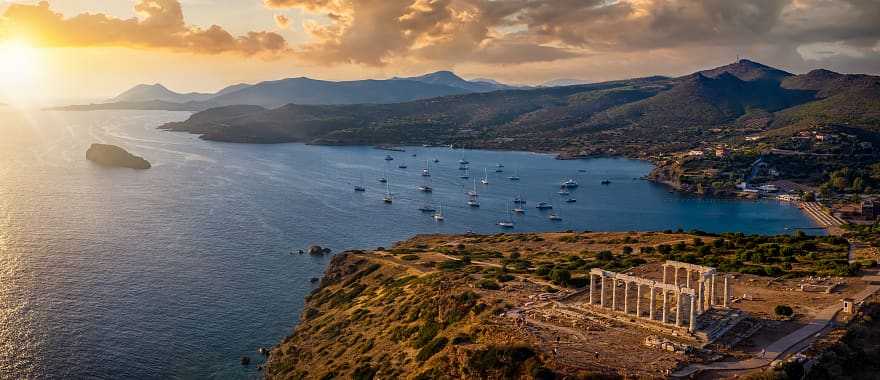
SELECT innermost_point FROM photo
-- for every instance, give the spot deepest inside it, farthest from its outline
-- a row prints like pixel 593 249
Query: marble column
pixel 592 287
pixel 675 276
pixel 626 297
pixel 693 317
pixel 700 296
pixel 652 304
pixel 688 278
pixel 664 274
pixel 726 292
pixel 665 296
pixel 613 294
pixel 677 309
pixel 602 290
pixel 712 291
pixel 638 300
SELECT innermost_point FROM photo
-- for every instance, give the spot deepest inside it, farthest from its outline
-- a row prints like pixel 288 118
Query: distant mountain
pixel 747 70
pixel 157 92
pixel 448 78
pixel 564 82
pixel 233 88
pixel 301 90
pixel 635 117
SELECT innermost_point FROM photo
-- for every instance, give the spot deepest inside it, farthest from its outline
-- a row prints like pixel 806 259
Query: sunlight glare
pixel 18 64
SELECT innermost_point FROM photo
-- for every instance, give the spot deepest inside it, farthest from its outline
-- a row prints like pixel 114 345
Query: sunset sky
pixel 92 49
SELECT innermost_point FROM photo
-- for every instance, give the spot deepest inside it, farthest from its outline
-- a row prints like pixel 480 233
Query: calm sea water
pixel 179 270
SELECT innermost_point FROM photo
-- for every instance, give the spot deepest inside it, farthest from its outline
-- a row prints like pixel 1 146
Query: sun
pixel 18 63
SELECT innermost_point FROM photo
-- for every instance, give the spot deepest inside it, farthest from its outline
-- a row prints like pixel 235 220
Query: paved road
pixel 780 348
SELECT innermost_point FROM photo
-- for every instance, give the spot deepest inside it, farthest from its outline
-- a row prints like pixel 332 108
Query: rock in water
pixel 111 155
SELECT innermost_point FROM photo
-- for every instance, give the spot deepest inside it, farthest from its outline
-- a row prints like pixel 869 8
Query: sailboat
pixel 519 210
pixel 387 198
pixel 427 208
pixel 360 187
pixel 402 165
pixel 388 157
pixel 554 216
pixel 466 174
pixel 485 179
pixel 506 223
pixel 438 216
pixel 462 161
pixel 515 176
pixel 570 183
pixel 519 200
pixel 426 187
pixel 472 197
pixel 384 177
pixel 563 191
pixel 543 206
pixel 425 172
pixel 436 160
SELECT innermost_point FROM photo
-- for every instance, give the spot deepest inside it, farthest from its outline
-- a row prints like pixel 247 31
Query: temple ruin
pixel 678 301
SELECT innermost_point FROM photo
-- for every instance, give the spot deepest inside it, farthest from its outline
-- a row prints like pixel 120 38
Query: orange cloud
pixel 161 25
pixel 282 21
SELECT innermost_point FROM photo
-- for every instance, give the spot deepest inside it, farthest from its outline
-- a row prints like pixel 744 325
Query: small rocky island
pixel 111 155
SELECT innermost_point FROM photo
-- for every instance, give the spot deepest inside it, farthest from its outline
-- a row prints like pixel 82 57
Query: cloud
pixel 378 33
pixel 282 21
pixel 160 25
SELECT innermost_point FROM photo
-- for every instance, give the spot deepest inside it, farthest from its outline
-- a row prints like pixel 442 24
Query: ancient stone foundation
pixel 677 301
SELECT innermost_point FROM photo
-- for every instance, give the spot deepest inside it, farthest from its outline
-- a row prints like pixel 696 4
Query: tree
pixel 783 310
pixel 627 250
pixel 560 276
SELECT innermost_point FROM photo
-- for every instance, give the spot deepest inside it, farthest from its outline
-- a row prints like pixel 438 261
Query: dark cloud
pixel 377 32
pixel 161 25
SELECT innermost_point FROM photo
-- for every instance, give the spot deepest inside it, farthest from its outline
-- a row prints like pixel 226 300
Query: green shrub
pixel 488 284
pixel 783 310
pixel 432 348
pixel 409 257
pixel 560 276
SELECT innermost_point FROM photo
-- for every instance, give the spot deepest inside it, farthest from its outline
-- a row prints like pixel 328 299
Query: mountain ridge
pixel 635 117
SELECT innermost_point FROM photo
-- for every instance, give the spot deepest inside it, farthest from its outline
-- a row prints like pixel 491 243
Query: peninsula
pixel 114 156
pixel 574 305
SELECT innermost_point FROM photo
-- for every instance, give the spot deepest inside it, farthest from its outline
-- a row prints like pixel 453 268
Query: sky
pixel 93 49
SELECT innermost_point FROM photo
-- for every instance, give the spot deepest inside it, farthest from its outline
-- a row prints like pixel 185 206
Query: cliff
pixel 114 156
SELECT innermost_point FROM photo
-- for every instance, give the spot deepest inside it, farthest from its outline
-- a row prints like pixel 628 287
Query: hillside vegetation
pixel 635 117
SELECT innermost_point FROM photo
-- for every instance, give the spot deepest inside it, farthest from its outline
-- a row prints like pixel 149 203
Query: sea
pixel 180 270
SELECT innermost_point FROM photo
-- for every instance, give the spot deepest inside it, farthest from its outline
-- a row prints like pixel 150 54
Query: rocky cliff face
pixel 375 317
pixel 111 155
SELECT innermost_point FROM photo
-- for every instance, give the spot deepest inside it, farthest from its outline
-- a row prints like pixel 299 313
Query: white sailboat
pixel 425 172
pixel 438 216
pixel 387 198
pixel 506 223
pixel 472 197
pixel 360 187
pixel 485 179
pixel 515 176
pixel 426 187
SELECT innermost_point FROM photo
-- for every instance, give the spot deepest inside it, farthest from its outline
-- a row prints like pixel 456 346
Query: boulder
pixel 316 250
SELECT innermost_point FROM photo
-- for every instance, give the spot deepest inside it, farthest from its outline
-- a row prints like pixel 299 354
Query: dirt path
pixel 782 347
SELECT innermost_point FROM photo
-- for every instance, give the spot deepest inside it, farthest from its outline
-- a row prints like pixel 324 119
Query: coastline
pixel 821 216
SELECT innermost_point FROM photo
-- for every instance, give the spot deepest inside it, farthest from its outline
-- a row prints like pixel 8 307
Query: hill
pixel 310 91
pixel 157 92
pixel 300 90
pixel 638 117
pixel 445 119
pixel 448 78
pixel 515 305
